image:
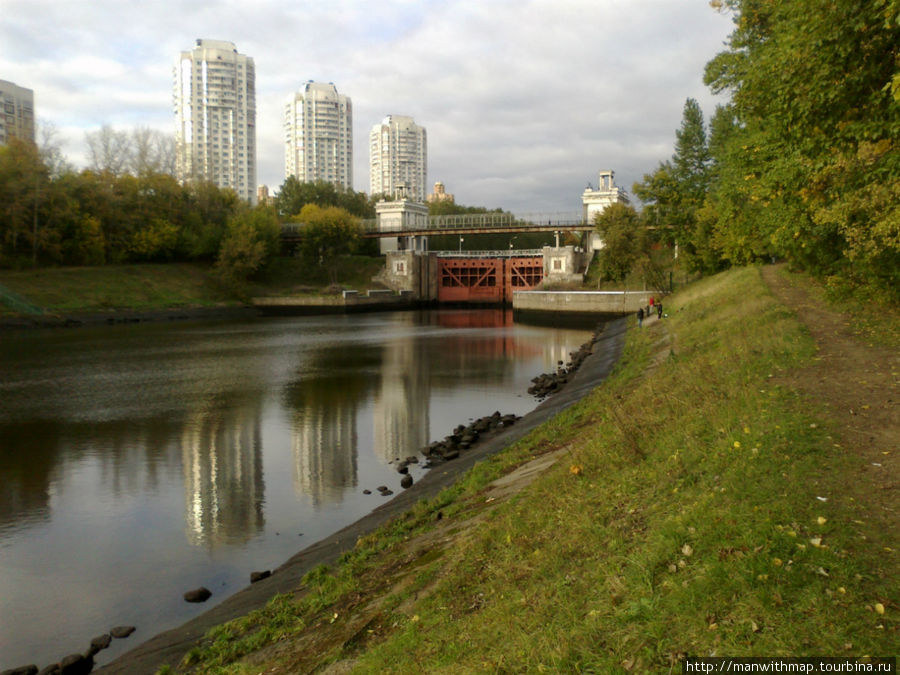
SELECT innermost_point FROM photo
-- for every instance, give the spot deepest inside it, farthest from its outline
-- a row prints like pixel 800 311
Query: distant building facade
pixel 439 194
pixel 215 117
pixel 16 112
pixel 398 156
pixel 263 196
pixel 318 135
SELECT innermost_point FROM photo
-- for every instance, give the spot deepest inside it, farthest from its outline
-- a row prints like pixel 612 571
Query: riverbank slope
pixel 163 291
pixel 730 489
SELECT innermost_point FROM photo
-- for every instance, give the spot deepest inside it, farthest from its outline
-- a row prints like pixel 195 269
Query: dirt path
pixel 858 383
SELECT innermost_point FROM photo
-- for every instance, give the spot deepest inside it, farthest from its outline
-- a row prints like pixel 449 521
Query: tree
pixel 208 210
pixel 251 239
pixel 109 151
pixel 814 90
pixel 23 189
pixel 151 151
pixel 328 233
pixel 625 241
pixel 295 194
pixel 676 191
pixel 50 148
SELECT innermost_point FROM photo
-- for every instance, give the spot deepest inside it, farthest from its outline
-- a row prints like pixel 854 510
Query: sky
pixel 523 101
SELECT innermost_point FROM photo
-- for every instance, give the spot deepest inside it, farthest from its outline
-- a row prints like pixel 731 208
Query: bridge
pixel 479 223
pixel 489 277
pixel 467 223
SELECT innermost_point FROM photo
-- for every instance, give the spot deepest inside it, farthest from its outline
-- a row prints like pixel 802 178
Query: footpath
pixel 858 381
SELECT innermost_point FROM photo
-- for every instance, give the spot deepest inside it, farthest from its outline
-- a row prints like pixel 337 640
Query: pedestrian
pixel 650 308
pixel 658 310
pixel 640 317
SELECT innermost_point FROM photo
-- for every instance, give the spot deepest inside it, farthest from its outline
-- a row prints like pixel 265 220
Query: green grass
pixel 111 287
pixel 694 525
pixel 61 290
pixel 294 275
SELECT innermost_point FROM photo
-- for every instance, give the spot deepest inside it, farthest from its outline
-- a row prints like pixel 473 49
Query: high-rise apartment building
pixel 318 135
pixel 398 158
pixel 215 117
pixel 16 112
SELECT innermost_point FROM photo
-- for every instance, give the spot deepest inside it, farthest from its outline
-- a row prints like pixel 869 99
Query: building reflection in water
pixel 324 442
pixel 324 406
pixel 401 416
pixel 398 377
pixel 223 476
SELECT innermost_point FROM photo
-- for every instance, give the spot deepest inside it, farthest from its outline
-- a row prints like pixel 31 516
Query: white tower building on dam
pixel 215 117
pixel 607 193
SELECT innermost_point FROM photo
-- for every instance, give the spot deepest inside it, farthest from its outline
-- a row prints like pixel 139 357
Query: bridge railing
pixel 485 220
pixel 500 253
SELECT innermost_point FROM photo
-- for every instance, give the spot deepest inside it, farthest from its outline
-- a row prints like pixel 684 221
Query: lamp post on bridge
pixel 460 244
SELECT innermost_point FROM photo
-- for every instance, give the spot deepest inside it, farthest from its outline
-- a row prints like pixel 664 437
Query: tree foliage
pixel 328 233
pixel 625 241
pixel 811 169
pixel 803 162
pixel 251 240
pixel 676 192
pixel 51 215
pixel 295 194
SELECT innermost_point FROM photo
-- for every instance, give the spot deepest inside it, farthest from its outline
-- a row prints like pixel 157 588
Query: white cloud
pixel 523 101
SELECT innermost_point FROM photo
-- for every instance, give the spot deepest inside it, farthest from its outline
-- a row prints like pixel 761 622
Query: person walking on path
pixel 640 317
pixel 658 310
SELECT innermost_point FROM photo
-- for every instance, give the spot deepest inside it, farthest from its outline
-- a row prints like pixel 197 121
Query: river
pixel 140 461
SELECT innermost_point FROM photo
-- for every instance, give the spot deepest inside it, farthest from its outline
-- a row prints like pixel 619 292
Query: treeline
pixel 129 208
pixel 97 217
pixel 803 162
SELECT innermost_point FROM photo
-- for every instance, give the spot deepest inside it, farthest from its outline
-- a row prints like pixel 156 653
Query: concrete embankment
pixel 580 302
pixel 169 647
pixel 347 303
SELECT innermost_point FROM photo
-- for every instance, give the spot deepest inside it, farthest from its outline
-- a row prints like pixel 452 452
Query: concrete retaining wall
pixel 348 302
pixel 581 302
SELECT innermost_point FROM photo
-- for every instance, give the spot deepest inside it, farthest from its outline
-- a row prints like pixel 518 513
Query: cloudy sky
pixel 523 101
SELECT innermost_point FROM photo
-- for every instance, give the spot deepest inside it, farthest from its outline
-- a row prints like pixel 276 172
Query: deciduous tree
pixel 625 241
pixel 328 233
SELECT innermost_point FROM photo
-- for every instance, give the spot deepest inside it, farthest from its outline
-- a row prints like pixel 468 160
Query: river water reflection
pixel 137 462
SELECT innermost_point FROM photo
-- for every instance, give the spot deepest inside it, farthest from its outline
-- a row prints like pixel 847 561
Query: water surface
pixel 140 461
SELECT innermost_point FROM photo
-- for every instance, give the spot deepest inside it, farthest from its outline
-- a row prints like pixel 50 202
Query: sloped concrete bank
pixel 169 647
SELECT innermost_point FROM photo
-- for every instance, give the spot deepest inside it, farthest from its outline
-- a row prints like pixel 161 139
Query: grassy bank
pixel 99 289
pixel 700 505
pixel 73 290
